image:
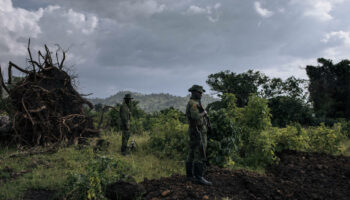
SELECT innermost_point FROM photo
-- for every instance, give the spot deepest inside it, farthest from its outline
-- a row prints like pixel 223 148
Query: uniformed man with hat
pixel 198 126
pixel 125 116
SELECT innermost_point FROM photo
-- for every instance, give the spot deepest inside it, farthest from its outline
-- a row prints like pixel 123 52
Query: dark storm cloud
pixel 166 45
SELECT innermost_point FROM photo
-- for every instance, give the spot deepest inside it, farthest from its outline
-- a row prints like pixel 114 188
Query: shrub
pixel 291 137
pixel 326 139
pixel 239 132
pixel 169 136
pixel 92 185
pixel 225 141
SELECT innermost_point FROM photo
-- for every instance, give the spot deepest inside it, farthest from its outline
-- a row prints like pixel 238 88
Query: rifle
pixel 201 109
pixel 201 145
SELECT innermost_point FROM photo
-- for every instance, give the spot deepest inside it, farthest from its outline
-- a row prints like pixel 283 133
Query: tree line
pixel 325 97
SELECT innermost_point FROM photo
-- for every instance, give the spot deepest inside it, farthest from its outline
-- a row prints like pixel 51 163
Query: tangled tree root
pixel 45 106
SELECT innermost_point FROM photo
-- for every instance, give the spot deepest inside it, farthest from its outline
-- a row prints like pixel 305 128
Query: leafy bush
pixel 291 137
pixel 286 110
pixel 99 173
pixel 325 139
pixel 256 144
pixel 346 128
pixel 169 136
pixel 239 132
pixel 246 136
pixel 225 141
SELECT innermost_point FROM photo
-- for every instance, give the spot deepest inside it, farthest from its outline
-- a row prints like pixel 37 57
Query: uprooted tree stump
pixel 45 106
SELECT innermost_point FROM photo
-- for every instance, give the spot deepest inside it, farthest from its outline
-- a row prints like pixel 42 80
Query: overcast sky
pixel 168 45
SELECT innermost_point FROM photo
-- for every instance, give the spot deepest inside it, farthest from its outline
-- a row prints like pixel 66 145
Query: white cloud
pixel 196 10
pixel 262 11
pixel 212 12
pixel 342 36
pixel 296 68
pixel 86 24
pixel 17 23
pixel 318 9
pixel 338 45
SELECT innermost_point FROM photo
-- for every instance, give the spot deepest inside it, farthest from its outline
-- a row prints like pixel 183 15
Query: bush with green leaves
pixel 346 128
pixel 292 138
pixel 326 139
pixel 168 135
pixel 91 185
pixel 256 148
pixel 286 110
pixel 238 132
pixel 311 139
pixel 225 140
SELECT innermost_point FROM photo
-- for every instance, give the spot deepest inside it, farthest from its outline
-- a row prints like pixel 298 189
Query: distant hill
pixel 153 102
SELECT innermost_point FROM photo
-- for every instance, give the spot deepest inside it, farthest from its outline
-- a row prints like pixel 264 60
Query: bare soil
pixel 297 176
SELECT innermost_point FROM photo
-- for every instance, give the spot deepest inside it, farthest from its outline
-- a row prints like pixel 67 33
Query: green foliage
pixel 286 110
pixel 225 140
pixel 256 147
pixel 312 139
pixel 325 139
pixel 242 85
pixel 238 132
pixel 100 172
pixel 329 88
pixel 168 136
pixel 246 136
pixel 287 99
pixel 291 87
pixel 346 128
pixel 291 137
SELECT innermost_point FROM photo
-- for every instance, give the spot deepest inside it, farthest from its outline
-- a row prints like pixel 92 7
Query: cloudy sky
pixel 167 46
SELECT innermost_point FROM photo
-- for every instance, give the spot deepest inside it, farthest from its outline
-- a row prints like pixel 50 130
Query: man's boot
pixel 198 173
pixel 189 171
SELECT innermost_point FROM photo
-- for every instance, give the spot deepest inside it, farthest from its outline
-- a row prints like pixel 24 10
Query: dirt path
pixel 298 176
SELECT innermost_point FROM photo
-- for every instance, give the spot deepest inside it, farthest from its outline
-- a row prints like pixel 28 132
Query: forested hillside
pixel 153 102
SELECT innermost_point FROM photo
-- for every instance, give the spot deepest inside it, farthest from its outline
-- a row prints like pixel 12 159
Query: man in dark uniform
pixel 125 116
pixel 198 127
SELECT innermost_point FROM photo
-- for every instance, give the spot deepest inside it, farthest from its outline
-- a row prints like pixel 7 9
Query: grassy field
pixel 20 172
pixel 50 170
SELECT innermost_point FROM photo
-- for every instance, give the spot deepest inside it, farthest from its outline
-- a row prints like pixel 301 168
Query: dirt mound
pixel 298 176
pixel 39 194
pixel 45 107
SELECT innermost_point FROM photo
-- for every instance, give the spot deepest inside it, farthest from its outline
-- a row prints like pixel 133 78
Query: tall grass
pixel 50 171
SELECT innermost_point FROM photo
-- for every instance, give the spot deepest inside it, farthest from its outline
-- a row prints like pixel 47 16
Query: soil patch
pixel 298 176
pixel 39 194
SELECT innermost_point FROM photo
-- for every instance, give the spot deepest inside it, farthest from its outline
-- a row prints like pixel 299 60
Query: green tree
pixel 286 110
pixel 329 88
pixel 242 85
pixel 286 99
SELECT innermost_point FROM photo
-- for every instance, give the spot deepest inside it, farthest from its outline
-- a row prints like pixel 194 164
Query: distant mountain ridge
pixel 153 102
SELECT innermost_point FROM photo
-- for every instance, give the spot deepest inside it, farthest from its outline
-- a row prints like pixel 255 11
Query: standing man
pixel 198 136
pixel 125 115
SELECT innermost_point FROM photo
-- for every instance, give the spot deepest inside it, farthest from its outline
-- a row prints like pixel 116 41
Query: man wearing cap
pixel 125 115
pixel 196 158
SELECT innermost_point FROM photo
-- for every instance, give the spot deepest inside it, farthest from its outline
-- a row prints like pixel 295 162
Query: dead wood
pixel 47 108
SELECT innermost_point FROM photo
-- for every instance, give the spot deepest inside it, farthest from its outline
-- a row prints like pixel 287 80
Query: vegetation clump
pixel 43 106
